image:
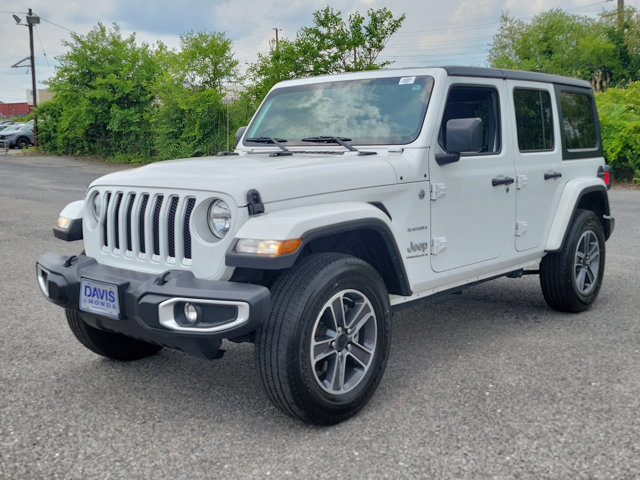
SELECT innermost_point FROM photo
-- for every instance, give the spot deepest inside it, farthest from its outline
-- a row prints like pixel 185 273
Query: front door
pixel 473 199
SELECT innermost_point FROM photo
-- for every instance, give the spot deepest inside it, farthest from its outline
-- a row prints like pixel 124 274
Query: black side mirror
pixel 462 135
pixel 239 134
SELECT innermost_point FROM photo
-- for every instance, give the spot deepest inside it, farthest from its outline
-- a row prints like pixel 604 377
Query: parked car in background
pixel 17 136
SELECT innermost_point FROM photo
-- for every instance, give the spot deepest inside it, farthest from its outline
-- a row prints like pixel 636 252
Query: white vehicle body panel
pixel 570 196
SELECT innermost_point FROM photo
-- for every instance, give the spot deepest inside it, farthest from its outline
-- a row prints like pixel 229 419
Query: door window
pixel 534 119
pixel 475 102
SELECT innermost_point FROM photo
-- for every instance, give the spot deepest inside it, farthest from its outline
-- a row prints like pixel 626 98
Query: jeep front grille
pixel 148 225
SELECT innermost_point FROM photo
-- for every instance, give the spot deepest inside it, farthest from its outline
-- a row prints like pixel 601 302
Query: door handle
pixel 502 181
pixel 550 175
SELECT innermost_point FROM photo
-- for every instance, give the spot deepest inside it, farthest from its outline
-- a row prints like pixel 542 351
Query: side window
pixel 474 102
pixel 578 121
pixel 534 119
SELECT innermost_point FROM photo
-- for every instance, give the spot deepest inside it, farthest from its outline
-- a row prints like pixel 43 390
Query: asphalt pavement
pixel 488 384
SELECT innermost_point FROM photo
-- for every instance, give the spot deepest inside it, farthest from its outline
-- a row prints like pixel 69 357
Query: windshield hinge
pixel 255 205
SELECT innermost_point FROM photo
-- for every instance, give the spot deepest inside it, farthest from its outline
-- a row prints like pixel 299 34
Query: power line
pixel 57 25
pixel 42 47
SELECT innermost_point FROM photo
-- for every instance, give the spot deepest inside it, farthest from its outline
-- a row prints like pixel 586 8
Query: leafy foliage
pixel 189 117
pixel 331 45
pixel 103 89
pixel 573 45
pixel 619 111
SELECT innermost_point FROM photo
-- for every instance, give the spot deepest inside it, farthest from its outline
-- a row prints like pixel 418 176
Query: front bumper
pixel 150 305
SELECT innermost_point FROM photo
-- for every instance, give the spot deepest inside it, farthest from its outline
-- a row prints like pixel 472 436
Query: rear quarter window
pixel 579 124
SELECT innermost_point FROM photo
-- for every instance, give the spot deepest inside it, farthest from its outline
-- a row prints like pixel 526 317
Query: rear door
pixel 538 160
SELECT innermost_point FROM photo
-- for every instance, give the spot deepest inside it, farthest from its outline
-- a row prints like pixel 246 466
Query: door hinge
pixel 521 181
pixel 437 190
pixel 438 244
pixel 521 228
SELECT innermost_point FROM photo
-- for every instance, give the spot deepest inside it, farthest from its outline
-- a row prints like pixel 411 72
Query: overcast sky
pixel 449 32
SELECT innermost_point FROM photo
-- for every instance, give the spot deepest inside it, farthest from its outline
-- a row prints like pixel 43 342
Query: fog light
pixel 191 313
pixel 43 277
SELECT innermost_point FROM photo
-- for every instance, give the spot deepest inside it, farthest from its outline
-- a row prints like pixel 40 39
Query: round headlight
pixel 219 218
pixel 95 206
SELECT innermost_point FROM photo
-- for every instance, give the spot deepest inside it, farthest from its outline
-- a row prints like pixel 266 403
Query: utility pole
pixel 276 29
pixel 31 20
pixel 621 15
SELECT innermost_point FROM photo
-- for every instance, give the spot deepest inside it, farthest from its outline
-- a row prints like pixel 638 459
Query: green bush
pixel 619 110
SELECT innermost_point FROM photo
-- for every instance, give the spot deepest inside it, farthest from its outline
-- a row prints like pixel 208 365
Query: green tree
pixel 333 44
pixel 626 41
pixel 190 118
pixel 103 96
pixel 619 111
pixel 560 43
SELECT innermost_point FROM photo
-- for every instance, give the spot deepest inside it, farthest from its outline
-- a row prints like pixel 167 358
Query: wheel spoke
pixel 322 350
pixel 584 244
pixel 591 277
pixel 336 373
pixel 361 317
pixel 361 354
pixel 337 309
pixel 587 262
pixel 580 278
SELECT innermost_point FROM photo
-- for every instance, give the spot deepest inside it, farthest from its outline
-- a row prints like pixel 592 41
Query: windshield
pixel 378 111
pixel 18 128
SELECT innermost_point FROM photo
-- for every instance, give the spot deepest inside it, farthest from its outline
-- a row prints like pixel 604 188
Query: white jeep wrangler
pixel 347 196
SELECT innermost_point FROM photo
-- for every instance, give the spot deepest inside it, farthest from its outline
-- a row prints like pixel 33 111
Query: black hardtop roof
pixel 515 75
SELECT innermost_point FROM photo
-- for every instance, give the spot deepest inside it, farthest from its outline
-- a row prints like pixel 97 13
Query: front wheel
pixel 571 278
pixel 107 344
pixel 324 348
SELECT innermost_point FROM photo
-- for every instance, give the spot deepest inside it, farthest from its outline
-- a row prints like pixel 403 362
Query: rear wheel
pixel 22 142
pixel 107 344
pixel 571 278
pixel 324 348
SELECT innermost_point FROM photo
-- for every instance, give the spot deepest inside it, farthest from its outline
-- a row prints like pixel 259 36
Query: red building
pixel 10 110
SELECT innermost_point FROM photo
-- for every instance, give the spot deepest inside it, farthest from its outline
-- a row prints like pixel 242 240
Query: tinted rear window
pixel 578 121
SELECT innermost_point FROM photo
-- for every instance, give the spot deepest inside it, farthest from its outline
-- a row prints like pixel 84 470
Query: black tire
pixel 22 142
pixel 571 278
pixel 305 385
pixel 107 344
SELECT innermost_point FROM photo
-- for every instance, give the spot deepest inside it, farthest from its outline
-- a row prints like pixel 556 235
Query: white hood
pixel 276 178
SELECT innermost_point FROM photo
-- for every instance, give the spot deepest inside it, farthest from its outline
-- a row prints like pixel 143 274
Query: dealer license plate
pixel 99 297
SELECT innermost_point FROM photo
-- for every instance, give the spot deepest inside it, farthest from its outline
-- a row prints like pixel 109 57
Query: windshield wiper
pixel 274 141
pixel 339 140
